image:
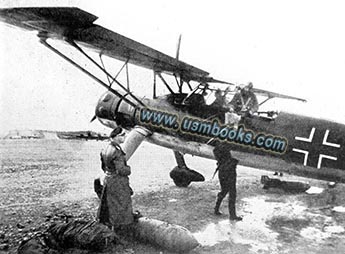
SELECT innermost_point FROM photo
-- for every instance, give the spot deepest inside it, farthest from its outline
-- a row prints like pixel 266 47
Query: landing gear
pixel 182 175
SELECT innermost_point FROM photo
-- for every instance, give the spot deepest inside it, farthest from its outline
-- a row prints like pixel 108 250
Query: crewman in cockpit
pixel 220 100
pixel 245 102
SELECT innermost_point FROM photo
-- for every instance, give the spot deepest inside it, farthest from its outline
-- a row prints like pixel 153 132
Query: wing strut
pixel 265 101
pixel 109 81
pixel 165 83
pixel 127 75
pixel 190 87
pixel 44 42
pixel 102 69
pixel 154 85
pixel 118 73
pixel 179 84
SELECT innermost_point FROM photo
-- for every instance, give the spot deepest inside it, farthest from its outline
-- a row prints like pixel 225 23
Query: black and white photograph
pixel 172 127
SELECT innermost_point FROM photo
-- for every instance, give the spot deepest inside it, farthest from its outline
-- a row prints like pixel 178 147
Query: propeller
pixel 93 118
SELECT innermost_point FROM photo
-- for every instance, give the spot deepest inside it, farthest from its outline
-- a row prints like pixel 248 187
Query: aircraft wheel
pixel 183 176
pixel 181 183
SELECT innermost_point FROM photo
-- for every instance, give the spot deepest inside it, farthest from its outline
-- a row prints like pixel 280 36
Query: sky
pixel 290 47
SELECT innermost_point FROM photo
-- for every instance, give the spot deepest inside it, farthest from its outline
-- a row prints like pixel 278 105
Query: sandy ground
pixel 36 192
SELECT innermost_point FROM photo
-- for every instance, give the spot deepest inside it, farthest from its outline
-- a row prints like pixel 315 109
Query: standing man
pixel 116 204
pixel 227 179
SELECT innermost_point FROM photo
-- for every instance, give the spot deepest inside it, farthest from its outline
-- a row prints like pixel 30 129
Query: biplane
pixel 183 120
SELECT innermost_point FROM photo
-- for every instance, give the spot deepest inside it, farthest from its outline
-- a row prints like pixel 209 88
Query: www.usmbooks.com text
pixel 213 129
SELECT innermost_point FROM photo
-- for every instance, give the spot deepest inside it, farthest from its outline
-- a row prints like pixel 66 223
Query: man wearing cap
pixel 116 204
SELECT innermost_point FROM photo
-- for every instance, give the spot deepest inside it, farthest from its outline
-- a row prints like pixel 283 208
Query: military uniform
pixel 116 203
pixel 245 100
pixel 219 102
pixel 227 178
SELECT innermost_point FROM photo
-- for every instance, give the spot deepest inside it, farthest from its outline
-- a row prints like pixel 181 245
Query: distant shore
pixel 47 134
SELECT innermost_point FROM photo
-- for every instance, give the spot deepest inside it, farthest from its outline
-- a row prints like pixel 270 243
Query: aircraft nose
pixel 106 106
pixel 106 109
pixel 113 110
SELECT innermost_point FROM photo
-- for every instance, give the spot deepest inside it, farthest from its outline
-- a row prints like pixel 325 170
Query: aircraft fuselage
pixel 306 146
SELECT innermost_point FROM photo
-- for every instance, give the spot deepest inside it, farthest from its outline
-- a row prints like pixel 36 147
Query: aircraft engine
pixel 112 110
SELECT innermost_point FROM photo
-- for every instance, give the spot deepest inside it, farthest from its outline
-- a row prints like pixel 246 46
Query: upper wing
pixel 69 23
pixel 275 95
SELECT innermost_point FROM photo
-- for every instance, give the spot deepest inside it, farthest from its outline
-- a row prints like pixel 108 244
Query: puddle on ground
pixel 314 190
pixel 312 234
pixel 334 229
pixel 267 225
pixel 253 230
pixel 339 209
pixel 214 233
